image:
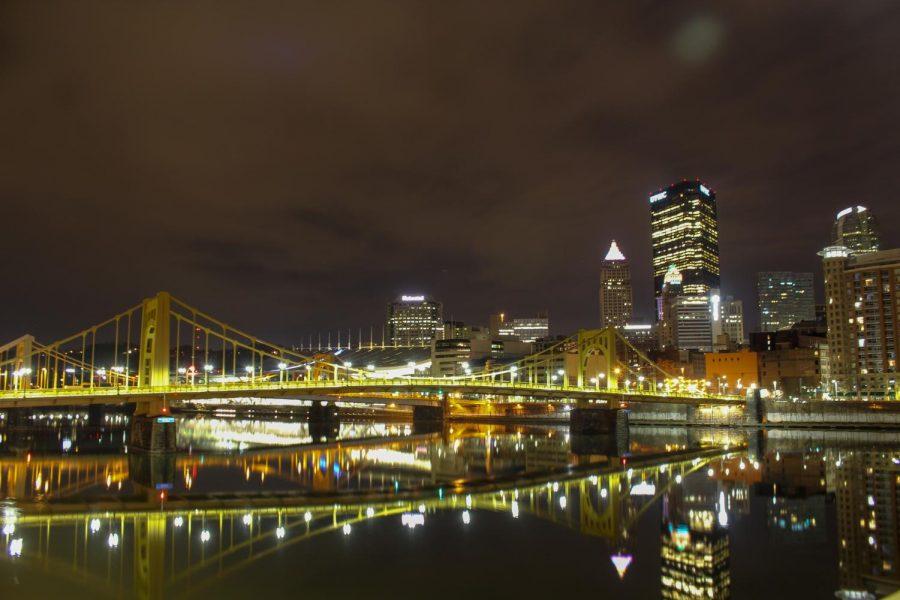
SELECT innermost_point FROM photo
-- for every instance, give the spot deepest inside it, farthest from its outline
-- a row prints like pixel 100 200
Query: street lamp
pixel 249 370
pixel 562 374
pixel 207 369
pixel 281 368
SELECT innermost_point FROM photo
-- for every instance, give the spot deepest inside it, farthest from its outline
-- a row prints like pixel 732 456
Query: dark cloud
pixel 292 166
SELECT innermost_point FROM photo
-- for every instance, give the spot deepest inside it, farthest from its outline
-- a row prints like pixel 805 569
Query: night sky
pixel 291 167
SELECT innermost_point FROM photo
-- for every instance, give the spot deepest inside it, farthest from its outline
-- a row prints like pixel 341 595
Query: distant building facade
pixel 784 298
pixel 616 301
pixel 414 320
pixel 855 229
pixel 862 299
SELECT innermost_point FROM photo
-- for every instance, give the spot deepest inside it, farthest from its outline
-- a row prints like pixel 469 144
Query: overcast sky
pixel 290 167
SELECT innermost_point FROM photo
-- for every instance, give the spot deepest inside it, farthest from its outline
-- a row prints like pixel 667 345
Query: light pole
pixel 281 368
pixel 562 374
pixel 207 369
pixel 601 377
pixel 249 370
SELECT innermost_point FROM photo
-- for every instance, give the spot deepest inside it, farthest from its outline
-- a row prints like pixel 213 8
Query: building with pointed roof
pixel 616 301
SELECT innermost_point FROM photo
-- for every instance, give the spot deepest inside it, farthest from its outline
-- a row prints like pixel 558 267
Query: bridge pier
pixel 17 417
pixel 324 421
pixel 95 415
pixel 754 409
pixel 153 429
pixel 429 419
pixel 594 420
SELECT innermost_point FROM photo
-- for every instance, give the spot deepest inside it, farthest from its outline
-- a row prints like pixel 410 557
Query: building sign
pixel 412 298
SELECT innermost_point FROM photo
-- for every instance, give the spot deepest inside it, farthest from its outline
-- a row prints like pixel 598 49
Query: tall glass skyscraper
pixel 855 229
pixel 685 233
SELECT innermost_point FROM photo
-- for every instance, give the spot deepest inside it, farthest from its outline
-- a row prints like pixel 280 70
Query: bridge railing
pixel 392 384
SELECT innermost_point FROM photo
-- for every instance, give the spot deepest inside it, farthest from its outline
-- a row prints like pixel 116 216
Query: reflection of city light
pixel 412 520
pixel 370 512
pixel 515 509
pixel 95 525
pixel 15 547
pixel 9 529
pixel 280 532
pixel 643 489
pixel 621 562
pixel 347 529
pixel 113 540
pixel 710 472
pixel 466 517
pixel 205 535
pixel 247 519
pixel 307 516
pixel 562 502
pixel 178 521
pixel 723 516
pixel 678 479
pixel 603 492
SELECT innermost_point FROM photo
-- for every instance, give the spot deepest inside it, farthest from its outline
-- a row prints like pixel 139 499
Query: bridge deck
pixel 517 392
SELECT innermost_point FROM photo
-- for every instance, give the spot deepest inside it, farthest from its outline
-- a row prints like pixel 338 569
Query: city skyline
pixel 323 177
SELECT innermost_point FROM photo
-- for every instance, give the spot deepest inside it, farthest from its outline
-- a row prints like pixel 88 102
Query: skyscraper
pixel 784 298
pixel 685 233
pixel 616 303
pixel 731 315
pixel 414 321
pixel 862 299
pixel 855 228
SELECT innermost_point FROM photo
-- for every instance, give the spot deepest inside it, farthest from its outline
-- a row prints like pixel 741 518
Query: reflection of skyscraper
pixel 855 229
pixel 615 289
pixel 685 233
pixel 694 543
pixel 867 489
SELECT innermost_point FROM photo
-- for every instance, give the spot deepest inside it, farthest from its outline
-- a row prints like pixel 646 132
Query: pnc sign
pixel 412 298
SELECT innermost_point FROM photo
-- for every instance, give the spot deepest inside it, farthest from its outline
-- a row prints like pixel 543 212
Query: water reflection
pixel 94 519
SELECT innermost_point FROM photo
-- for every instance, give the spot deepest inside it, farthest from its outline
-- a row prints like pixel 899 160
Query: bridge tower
pixel 155 327
pixel 603 343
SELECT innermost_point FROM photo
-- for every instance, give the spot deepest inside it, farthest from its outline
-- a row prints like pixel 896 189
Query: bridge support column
pixel 18 417
pixel 153 429
pixel 754 409
pixel 429 419
pixel 95 415
pixel 324 421
pixel 591 421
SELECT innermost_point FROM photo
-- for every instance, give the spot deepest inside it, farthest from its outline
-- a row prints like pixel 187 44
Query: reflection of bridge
pixel 159 550
pixel 164 350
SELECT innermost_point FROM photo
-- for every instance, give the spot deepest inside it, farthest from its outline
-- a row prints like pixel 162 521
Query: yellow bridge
pixel 164 351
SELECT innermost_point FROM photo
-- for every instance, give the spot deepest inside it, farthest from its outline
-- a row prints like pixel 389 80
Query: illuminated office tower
pixel 685 233
pixel 616 303
pixel 784 298
pixel 414 321
pixel 862 300
pixel 855 228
